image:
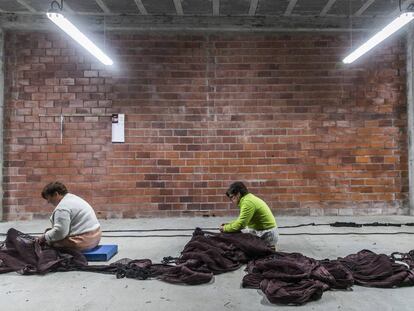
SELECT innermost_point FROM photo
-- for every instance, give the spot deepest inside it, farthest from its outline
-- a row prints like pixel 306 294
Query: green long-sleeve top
pixel 254 213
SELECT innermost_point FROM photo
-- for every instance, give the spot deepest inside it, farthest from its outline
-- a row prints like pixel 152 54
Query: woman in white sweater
pixel 74 223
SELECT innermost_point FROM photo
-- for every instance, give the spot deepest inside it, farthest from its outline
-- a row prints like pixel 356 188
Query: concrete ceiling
pixel 216 15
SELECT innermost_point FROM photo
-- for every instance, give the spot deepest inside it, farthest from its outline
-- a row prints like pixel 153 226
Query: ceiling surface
pixel 208 14
pixel 211 7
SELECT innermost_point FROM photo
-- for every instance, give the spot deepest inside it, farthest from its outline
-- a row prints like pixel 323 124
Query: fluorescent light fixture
pixel 79 37
pixel 387 31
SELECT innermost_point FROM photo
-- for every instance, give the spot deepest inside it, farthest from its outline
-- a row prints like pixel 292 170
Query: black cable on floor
pixel 348 233
pixel 337 224
pixel 300 233
pixel 183 229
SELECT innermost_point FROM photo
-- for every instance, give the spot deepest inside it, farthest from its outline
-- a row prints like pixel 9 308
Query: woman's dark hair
pixel 53 187
pixel 235 188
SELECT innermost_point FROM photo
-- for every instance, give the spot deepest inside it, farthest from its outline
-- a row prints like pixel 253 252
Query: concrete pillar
pixel 2 65
pixel 410 114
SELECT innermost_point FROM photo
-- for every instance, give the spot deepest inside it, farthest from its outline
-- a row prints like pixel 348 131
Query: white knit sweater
pixel 72 216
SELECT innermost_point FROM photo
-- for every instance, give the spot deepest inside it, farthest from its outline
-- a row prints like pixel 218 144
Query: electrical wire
pixel 285 234
pixel 335 224
pixel 59 5
pixel 348 233
pixel 182 229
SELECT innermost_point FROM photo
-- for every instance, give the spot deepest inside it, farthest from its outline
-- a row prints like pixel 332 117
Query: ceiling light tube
pixel 387 31
pixel 79 37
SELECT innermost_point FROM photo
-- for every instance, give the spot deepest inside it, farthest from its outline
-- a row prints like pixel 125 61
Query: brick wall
pixel 280 112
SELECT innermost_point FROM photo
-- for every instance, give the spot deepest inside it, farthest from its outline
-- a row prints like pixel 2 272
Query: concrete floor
pixel 74 291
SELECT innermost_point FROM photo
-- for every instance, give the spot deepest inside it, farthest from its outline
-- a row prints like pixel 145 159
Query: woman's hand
pixel 41 239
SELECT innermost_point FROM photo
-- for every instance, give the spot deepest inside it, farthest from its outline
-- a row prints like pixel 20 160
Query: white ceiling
pixel 208 14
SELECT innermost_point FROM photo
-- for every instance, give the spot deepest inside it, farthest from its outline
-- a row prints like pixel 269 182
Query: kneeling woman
pixel 74 223
pixel 255 216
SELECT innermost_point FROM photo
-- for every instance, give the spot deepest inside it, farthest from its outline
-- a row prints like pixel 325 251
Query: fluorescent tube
pixel 387 31
pixel 78 36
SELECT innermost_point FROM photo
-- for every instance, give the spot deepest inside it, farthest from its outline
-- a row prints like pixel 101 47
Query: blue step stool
pixel 101 252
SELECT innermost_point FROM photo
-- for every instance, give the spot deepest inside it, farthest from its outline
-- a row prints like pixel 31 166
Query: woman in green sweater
pixel 255 216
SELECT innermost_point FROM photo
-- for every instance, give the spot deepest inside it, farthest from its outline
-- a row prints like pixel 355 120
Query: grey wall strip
pixel 410 114
pixel 2 72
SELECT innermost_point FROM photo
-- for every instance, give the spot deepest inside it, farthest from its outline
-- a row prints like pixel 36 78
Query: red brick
pixel 90 73
pixel 67 81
